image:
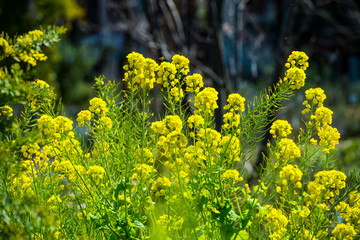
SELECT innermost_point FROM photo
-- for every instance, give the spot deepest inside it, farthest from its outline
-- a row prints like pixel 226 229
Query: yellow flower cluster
pixel 144 153
pixel 205 102
pixel 344 232
pixel 194 83
pixel 83 117
pixel 281 128
pixel 329 137
pixel 316 96
pixel 170 138
pixel 231 120
pixel 236 103
pixel 6 49
pixel 321 118
pixel 105 122
pixel 351 214
pixel 54 202
pixel 142 172
pixel 25 45
pixel 96 172
pixel 230 149
pixel 210 140
pixel 276 222
pixel 140 72
pixel 298 59
pixel 181 64
pixel 55 127
pixel 98 106
pixel 176 94
pixel 195 156
pixel 290 175
pixel 166 75
pixel 232 175
pixel 6 112
pixel 195 121
pixel 327 185
pixel 296 77
pixel 159 186
pixel 287 151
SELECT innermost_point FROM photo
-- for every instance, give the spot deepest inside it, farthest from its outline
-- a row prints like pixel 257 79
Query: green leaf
pixel 242 235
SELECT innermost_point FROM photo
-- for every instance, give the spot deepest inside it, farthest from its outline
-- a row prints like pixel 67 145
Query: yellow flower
pixel 315 95
pixel 205 101
pixel 343 231
pixel 106 122
pixel 177 94
pixel 159 185
pixel 98 106
pixel 322 115
pixel 194 83
pixel 232 175
pixel 298 59
pixel 296 77
pixel 195 121
pixel 166 75
pixel 139 72
pixel 6 48
pixel 280 127
pixel 181 63
pixel 291 173
pixel 6 111
pixel 329 137
pixel 96 172
pixel 142 172
pixel 236 103
pixel 230 146
pixel 83 116
pixel 326 186
pixel 231 120
pixel 287 150
pixel 276 221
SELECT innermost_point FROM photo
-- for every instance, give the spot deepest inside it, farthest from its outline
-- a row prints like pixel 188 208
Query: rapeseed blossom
pixel 232 175
pixel 327 185
pixel 297 59
pixel 315 96
pixel 83 117
pixel 287 151
pixel 160 185
pixel 276 222
pixel 290 176
pixel 6 111
pixel 323 116
pixel 296 77
pixel 98 106
pixel 280 128
pixel 140 72
pixel 236 103
pixel 195 121
pixel 194 83
pixel 181 63
pixel 344 232
pixel 166 75
pixel 329 137
pixel 231 120
pixel 205 102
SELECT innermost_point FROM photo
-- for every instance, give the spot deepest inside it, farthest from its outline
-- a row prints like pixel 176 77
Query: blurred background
pixel 237 45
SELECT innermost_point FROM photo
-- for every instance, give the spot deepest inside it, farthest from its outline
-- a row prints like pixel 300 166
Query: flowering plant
pixel 134 176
